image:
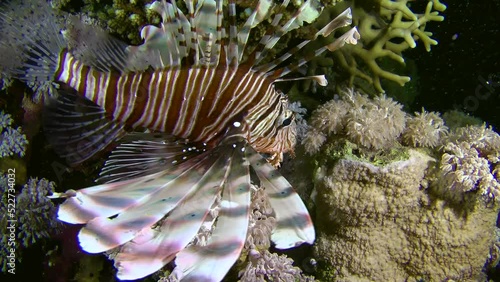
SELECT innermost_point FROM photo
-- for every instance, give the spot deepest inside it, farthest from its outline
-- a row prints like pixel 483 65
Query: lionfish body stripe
pixel 189 119
pixel 191 103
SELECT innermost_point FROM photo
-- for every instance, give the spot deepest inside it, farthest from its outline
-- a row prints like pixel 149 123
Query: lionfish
pixel 191 114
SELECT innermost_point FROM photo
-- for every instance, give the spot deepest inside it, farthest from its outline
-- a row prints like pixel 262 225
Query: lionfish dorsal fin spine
pixel 218 42
pixel 181 36
pixel 262 9
pixel 193 32
pixel 233 55
pixel 257 54
pixel 308 12
pixel 349 37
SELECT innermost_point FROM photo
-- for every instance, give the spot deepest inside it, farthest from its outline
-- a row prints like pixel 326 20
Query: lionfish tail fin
pixel 294 224
pixel 30 41
pixel 77 128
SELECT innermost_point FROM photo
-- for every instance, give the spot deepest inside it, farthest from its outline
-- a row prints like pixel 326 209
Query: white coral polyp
pixel 425 129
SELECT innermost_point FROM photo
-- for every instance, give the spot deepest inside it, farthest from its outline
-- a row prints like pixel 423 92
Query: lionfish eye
pixel 287 121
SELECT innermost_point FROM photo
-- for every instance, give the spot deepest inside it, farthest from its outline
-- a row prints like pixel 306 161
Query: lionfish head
pixel 282 128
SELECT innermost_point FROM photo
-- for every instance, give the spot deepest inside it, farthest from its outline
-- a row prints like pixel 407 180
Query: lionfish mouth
pixel 208 112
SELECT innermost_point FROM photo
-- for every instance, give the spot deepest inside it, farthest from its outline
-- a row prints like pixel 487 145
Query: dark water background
pixel 454 74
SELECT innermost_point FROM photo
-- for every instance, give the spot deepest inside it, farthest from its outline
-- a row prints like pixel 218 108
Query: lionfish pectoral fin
pixel 294 224
pixel 212 261
pixel 150 251
pixel 162 192
pixel 95 47
pixel 103 200
pixel 77 128
pixel 140 154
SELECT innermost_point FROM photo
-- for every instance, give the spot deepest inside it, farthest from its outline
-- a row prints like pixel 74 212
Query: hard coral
pixel 387 28
pixel 381 224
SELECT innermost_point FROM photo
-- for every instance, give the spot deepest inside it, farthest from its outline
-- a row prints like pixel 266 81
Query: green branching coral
pixel 387 28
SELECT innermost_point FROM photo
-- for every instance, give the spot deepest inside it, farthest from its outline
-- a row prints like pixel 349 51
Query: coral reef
pixel 370 123
pixel 34 213
pixel 123 18
pixel 266 266
pixel 470 162
pixel 382 224
pixel 424 130
pixel 259 264
pixel 12 140
pixel 387 28
pixel 423 207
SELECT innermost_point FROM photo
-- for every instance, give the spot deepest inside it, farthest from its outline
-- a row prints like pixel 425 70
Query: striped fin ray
pixel 344 19
pixel 294 224
pixel 95 47
pixel 212 261
pixel 156 247
pixel 77 128
pixel 141 154
pixel 30 40
pixel 179 36
pixel 206 59
pixel 350 37
pixel 232 53
pixel 193 32
pixel 109 199
pixel 164 46
pixel 218 43
pixel 166 191
pixel 262 8
pixel 245 32
pixel 308 12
